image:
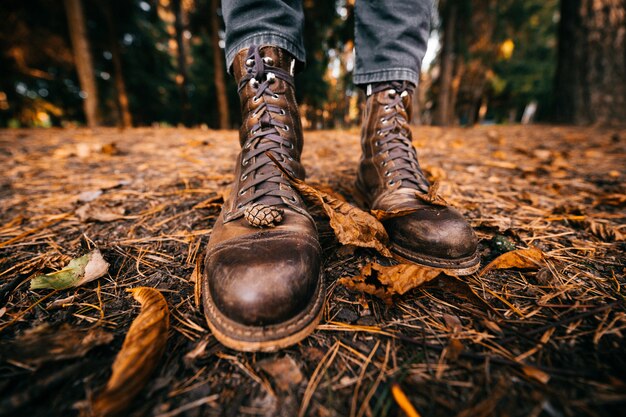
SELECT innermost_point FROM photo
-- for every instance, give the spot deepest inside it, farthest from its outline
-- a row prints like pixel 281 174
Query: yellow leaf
pixel 351 225
pixel 385 281
pixel 403 401
pixel 521 258
pixel 142 349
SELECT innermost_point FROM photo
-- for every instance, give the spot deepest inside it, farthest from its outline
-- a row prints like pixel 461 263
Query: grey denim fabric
pixel 390 35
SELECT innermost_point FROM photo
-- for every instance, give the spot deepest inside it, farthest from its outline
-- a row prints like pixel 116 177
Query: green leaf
pixel 78 272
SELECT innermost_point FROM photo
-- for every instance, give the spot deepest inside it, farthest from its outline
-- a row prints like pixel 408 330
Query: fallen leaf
pixel 78 272
pixel 351 225
pixel 285 372
pixel 454 349
pixel 521 258
pixel 87 196
pixel 60 302
pixel 47 343
pixel 386 281
pixel 98 213
pixel 384 215
pixel 536 374
pixel 403 401
pixel 142 349
pixel 433 196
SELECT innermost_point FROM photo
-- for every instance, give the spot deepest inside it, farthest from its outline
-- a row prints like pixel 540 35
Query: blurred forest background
pixel 160 62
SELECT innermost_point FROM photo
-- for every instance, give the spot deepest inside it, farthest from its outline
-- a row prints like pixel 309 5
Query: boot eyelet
pixel 290 158
pixel 384 164
pixel 387 173
pixel 275 96
pixel 282 112
pixel 245 162
pixel 293 199
pixel 256 99
pixel 243 177
pixel 392 93
pixel 286 128
pixel 377 143
pixel 386 108
pixel 379 133
pixel 242 192
pixel 383 120
pixel 271 77
pixel 239 206
pixel 391 183
pixel 268 60
pixel 249 62
pixel 254 83
pixel 290 146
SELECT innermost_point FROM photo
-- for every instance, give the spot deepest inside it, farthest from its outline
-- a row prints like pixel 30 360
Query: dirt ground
pixel 544 341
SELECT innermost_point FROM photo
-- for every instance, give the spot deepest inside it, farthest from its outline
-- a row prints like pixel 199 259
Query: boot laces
pixel 393 138
pixel 265 136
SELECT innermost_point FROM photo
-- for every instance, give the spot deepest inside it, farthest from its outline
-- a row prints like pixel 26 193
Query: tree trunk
pixel 182 77
pixel 590 83
pixel 218 69
pixel 125 117
pixel 82 60
pixel 443 114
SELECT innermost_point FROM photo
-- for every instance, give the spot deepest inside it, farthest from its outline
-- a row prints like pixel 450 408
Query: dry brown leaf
pixel 143 347
pixel 285 372
pixel 520 258
pixel 46 343
pixel 351 225
pixel 384 215
pixel 433 196
pixel 98 213
pixel 386 281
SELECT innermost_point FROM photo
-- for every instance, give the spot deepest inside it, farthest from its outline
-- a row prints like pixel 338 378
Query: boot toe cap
pixel 440 233
pixel 266 283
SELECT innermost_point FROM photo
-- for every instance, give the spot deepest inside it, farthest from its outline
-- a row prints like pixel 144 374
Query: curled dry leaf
pixel 530 258
pixel 351 225
pixel 386 281
pixel 78 272
pixel 142 349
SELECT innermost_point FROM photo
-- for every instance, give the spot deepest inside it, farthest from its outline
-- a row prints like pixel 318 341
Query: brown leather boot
pixel 262 284
pixel 389 177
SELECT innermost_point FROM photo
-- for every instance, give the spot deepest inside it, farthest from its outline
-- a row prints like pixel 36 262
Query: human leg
pixel 262 285
pixel 392 44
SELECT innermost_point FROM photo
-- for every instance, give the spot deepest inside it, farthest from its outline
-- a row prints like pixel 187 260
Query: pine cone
pixel 260 215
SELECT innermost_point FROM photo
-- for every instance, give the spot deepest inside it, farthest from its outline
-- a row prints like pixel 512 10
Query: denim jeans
pixel 390 35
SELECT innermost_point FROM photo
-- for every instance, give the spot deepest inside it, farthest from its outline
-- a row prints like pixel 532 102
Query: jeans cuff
pixel 391 74
pixel 268 38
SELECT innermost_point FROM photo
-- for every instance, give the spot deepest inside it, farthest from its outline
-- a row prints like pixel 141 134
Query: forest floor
pixel 547 340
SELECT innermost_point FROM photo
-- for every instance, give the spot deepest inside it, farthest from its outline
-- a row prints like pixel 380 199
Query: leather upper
pixel 262 276
pixel 389 177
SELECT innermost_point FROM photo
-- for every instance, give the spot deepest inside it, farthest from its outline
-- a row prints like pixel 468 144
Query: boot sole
pixel 460 266
pixel 265 338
